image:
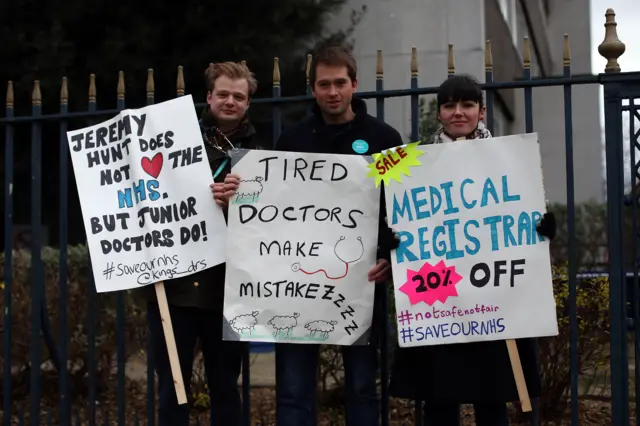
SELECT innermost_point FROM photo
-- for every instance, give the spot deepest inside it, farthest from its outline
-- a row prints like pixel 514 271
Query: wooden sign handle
pixel 516 365
pixel 169 337
pixel 518 374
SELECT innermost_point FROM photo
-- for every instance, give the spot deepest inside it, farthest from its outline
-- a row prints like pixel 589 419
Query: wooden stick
pixel 169 337
pixel 516 365
pixel 518 374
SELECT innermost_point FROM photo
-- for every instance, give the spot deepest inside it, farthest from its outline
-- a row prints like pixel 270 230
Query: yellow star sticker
pixel 393 163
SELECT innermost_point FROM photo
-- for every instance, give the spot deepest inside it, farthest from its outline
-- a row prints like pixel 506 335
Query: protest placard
pixel 143 182
pixel 470 265
pixel 303 233
pixel 148 212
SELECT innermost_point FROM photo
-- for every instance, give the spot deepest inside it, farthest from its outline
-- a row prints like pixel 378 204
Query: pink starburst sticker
pixel 431 283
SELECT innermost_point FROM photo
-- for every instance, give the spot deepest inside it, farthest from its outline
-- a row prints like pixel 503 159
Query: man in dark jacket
pixel 195 301
pixel 339 125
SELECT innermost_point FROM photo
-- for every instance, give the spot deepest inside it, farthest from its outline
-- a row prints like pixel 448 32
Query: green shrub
pixel 592 307
pixel 76 305
pixel 590 232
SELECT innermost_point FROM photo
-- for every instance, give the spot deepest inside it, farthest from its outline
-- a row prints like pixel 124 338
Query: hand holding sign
pixel 143 228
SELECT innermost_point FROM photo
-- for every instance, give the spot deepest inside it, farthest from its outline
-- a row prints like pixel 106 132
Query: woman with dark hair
pixel 478 373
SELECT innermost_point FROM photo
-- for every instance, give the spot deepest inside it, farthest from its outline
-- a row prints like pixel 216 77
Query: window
pixel 510 15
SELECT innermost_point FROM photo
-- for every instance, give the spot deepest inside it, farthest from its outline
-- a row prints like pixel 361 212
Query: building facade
pixel 396 26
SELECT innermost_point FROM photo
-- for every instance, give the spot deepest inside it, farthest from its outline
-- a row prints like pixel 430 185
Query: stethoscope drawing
pixel 296 266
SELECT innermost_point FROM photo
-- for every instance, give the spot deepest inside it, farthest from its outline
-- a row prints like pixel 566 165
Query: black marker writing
pixel 161 140
pixel 269 213
pixel 108 155
pixel 285 249
pixel 300 165
pixel 186 157
pixel 155 238
pixel 169 213
pixel 113 133
pixel 117 175
pixel 109 222
pixel 284 288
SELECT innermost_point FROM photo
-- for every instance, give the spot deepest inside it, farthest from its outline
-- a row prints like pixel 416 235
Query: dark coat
pixel 205 289
pixel 313 135
pixel 463 373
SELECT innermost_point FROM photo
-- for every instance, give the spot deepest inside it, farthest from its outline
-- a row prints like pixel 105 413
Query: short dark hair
pixel 337 56
pixel 459 88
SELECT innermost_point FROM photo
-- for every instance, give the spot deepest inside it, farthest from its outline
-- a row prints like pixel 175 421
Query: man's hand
pixel 218 194
pixel 231 184
pixel 547 226
pixel 380 272
pixel 222 192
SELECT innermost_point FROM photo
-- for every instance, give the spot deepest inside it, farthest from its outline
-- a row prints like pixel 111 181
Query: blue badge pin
pixel 360 146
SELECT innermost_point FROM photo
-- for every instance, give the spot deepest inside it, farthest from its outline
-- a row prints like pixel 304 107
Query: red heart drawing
pixel 153 166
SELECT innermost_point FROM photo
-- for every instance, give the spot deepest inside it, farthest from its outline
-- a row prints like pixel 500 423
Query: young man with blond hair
pixel 196 301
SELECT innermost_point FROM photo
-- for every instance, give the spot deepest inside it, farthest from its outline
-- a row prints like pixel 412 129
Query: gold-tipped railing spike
pixel 276 72
pixel 451 65
pixel 151 85
pixel 308 67
pixel 92 88
pixel 120 88
pixel 379 68
pixel 566 52
pixel 64 92
pixel 10 95
pixel 414 62
pixel 180 80
pixel 488 58
pixel 611 47
pixel 526 53
pixel 36 97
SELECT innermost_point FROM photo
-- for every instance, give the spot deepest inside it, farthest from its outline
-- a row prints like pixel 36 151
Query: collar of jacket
pixel 358 106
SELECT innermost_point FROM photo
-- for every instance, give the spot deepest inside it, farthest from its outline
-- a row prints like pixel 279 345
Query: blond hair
pixel 232 70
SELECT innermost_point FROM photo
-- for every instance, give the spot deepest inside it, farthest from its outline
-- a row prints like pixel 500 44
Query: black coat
pixel 462 373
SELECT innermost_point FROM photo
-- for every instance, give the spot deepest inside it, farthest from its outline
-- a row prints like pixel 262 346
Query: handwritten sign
pixel 470 265
pixel 303 232
pixel 143 181
pixel 394 163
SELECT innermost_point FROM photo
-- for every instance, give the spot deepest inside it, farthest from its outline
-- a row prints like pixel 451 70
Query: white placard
pixel 143 181
pixel 471 265
pixel 303 232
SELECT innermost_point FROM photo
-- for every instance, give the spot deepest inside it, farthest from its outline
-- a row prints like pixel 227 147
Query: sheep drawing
pixel 283 324
pixel 320 326
pixel 244 322
pixel 249 190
